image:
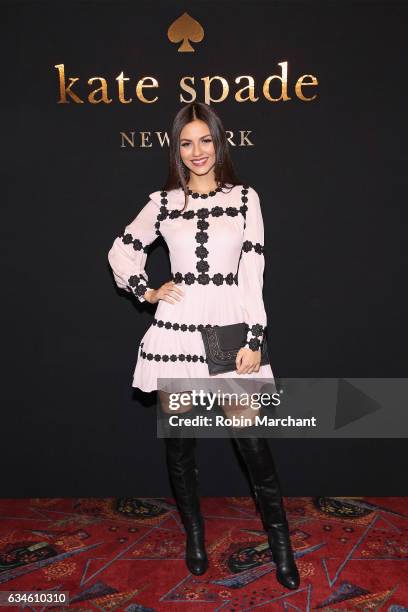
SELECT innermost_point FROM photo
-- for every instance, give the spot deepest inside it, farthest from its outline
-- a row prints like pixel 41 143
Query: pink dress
pixel 216 232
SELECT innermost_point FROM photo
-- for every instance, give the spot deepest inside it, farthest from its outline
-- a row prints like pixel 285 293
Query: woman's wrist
pixel 255 335
pixel 149 294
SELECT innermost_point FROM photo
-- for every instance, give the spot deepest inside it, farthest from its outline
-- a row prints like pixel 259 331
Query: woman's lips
pixel 199 163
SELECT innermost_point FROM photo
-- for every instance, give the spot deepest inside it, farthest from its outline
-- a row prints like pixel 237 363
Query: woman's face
pixel 196 143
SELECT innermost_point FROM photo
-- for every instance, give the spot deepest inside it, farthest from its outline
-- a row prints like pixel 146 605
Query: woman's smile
pixel 200 162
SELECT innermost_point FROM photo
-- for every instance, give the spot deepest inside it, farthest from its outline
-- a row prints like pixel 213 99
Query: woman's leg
pixel 165 402
pixel 183 474
pixel 232 408
pixel 259 462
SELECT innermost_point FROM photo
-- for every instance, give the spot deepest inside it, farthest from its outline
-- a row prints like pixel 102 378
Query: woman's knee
pixel 175 403
pixel 244 415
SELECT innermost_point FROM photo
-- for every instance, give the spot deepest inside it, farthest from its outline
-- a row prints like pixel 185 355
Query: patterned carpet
pixel 128 554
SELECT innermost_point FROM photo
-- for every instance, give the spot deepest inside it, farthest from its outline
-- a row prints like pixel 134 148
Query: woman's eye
pixel 186 144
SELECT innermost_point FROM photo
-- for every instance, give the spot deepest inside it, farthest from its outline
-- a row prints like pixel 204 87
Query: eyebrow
pixel 200 137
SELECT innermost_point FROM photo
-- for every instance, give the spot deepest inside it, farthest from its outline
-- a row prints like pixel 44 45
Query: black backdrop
pixel 331 175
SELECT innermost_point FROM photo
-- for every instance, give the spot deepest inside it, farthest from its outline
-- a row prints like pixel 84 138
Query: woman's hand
pixel 248 361
pixel 169 292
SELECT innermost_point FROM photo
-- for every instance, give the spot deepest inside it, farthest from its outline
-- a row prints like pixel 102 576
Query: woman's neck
pixel 202 186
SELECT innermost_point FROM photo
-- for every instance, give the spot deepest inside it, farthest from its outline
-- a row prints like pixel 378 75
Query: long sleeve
pixel 128 254
pixel 251 271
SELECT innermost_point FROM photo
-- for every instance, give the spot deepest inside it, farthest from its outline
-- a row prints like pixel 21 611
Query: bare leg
pixel 165 403
pixel 245 414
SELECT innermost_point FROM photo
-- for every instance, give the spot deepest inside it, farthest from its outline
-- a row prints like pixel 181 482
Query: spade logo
pixel 184 30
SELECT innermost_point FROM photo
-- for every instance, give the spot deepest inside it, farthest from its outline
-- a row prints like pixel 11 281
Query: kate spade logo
pixel 184 30
pixel 281 86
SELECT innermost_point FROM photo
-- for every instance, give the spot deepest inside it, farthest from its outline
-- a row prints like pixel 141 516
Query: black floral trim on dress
pixel 202 213
pixel 137 244
pixel 203 278
pixel 255 336
pixel 201 237
pixel 138 284
pixel 180 326
pixel 210 194
pixel 248 245
pixel 257 329
pixel 255 332
pixel 163 211
pixel 254 344
pixel 181 357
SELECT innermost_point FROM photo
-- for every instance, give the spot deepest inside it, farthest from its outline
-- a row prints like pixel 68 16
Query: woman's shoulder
pixel 248 189
pixel 160 196
pixel 252 191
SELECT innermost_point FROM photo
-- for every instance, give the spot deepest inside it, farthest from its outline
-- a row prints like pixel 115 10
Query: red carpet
pixel 127 554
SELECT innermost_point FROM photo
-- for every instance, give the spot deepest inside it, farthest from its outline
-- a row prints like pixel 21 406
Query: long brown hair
pixel 178 172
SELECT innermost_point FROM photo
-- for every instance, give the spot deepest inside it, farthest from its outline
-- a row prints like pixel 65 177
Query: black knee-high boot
pixel 262 472
pixel 184 479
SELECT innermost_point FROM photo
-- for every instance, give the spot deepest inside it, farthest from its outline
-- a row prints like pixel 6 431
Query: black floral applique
pixel 203 266
pixel 231 211
pixel 218 279
pixel 248 246
pixel 173 357
pixel 138 284
pixel 189 214
pixel 217 211
pixel 254 344
pixel 204 196
pixel 189 278
pixel 203 279
pixel 201 252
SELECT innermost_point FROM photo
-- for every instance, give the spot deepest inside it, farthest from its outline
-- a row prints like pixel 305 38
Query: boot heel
pixel 196 556
pixel 279 542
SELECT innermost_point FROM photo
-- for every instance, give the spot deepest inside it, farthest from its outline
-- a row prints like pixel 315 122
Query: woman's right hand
pixel 169 292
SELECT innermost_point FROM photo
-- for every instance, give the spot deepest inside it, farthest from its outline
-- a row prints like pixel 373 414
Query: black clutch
pixel 222 343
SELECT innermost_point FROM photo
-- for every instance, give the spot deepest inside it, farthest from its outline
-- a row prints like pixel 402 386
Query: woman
pixel 213 227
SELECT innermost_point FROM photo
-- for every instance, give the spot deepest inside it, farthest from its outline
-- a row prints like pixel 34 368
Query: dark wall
pixel 332 178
